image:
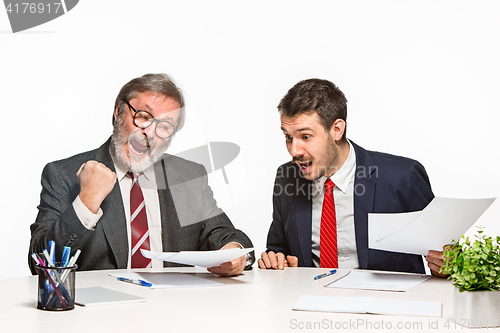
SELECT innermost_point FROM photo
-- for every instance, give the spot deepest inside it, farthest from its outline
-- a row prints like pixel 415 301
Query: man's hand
pixel 277 260
pixel 230 268
pixel 96 182
pixel 435 260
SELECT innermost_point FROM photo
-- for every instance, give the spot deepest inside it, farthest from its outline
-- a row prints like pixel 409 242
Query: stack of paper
pixel 371 305
pixel 93 296
pixel 378 281
pixel 166 280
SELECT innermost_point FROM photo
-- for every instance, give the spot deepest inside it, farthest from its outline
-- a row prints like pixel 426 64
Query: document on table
pixel 443 220
pixel 167 280
pixel 378 281
pixel 373 305
pixel 93 296
pixel 198 258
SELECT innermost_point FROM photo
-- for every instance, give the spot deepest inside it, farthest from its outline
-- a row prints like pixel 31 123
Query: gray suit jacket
pixel 190 218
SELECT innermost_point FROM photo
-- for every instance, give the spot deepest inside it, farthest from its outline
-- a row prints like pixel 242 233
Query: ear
pixel 337 130
pixel 115 114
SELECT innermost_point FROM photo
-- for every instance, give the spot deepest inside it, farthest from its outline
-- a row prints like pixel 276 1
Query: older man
pixel 128 195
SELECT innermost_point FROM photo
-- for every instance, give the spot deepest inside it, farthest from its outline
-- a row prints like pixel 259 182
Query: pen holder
pixel 56 287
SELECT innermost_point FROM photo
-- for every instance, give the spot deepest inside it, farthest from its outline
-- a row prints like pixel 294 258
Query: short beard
pixel 119 141
pixel 331 156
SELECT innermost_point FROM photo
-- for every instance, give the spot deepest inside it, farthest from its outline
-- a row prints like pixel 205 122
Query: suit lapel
pixel 302 210
pixel 168 181
pixel 364 195
pixel 304 228
pixel 113 222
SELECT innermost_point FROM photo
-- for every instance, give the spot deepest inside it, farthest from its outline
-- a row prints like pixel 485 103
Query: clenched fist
pixel 96 182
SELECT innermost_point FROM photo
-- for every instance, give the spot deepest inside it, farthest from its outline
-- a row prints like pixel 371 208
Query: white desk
pixel 256 301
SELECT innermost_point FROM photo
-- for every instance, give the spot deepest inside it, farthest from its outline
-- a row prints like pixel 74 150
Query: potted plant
pixel 474 268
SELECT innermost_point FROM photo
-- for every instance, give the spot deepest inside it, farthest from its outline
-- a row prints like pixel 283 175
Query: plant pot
pixel 476 308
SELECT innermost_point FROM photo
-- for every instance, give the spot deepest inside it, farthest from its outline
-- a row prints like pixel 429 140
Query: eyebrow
pixel 150 110
pixel 299 130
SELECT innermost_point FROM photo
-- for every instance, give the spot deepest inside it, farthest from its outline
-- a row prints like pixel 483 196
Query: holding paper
pixel 198 258
pixel 408 232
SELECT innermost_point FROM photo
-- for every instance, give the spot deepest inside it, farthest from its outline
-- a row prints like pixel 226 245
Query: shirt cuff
pixel 248 257
pixel 88 219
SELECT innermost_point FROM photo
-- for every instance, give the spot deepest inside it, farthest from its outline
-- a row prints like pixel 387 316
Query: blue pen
pixel 52 252
pixel 139 282
pixel 72 262
pixel 333 271
pixel 65 256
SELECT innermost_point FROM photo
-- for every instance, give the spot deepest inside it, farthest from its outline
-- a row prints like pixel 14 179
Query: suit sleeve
pixel 217 228
pixel 57 219
pixel 276 237
pixel 420 192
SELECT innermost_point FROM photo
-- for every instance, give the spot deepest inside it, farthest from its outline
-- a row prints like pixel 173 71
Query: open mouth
pixel 304 165
pixel 138 147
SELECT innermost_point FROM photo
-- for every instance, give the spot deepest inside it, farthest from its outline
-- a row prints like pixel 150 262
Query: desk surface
pixel 256 301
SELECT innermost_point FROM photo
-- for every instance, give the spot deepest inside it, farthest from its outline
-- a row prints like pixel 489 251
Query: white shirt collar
pixel 342 177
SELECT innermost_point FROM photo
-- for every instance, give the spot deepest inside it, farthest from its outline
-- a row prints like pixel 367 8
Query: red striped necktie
pixel 138 225
pixel 328 229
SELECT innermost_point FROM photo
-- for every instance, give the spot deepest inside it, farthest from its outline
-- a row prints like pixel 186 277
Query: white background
pixel 421 77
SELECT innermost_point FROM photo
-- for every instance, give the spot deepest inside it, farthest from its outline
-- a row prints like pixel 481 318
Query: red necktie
pixel 138 225
pixel 328 235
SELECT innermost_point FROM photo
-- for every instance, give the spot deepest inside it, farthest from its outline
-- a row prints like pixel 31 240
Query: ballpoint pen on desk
pixel 333 271
pixel 139 282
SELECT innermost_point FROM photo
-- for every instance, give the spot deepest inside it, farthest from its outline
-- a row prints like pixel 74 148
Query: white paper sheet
pixel 167 280
pixel 373 305
pixel 443 220
pixel 198 258
pixel 378 281
pixel 386 306
pixel 93 296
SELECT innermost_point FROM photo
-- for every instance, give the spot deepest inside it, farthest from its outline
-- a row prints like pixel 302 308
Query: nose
pixel 149 131
pixel 295 148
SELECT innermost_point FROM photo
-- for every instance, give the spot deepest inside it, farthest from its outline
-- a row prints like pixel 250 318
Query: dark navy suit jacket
pixel 383 184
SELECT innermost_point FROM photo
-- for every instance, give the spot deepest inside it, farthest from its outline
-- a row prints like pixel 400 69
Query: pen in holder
pixel 56 287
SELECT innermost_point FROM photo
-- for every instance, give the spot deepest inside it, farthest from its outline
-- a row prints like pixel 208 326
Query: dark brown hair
pixel 321 96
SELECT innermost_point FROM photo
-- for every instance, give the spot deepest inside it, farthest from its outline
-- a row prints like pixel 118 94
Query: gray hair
pixel 158 83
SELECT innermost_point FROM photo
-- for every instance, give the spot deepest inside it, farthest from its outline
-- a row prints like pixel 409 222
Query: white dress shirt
pixel 147 182
pixel 343 194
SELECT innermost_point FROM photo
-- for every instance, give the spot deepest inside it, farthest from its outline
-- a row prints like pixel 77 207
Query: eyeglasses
pixel 144 119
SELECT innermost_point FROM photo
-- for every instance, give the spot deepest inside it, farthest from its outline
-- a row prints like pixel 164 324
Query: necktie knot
pixel 133 176
pixel 329 185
